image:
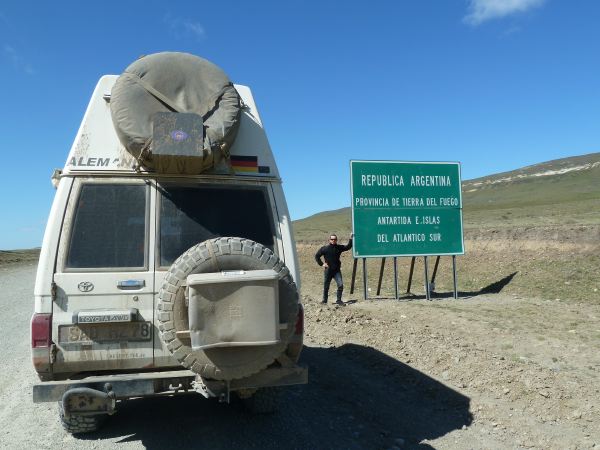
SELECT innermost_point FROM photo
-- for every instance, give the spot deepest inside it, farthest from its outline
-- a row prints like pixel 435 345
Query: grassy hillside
pixel 558 193
pixel 561 192
pixel 28 256
pixel 316 227
pixel 533 232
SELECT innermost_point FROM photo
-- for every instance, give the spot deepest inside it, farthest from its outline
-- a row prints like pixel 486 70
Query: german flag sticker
pixel 247 164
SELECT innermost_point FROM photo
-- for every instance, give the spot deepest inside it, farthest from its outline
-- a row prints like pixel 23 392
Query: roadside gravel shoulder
pixel 531 381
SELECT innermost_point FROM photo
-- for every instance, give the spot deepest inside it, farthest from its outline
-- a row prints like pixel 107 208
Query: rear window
pixel 109 227
pixel 192 214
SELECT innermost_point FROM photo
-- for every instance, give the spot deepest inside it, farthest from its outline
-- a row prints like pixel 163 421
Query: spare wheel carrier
pixel 215 255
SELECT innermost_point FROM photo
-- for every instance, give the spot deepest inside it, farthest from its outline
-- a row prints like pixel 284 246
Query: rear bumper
pixel 173 382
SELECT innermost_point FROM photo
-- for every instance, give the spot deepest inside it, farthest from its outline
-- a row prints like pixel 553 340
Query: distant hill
pixel 584 164
pixel 27 256
pixel 560 192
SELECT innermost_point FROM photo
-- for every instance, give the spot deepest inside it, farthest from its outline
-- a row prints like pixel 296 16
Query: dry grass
pixel 19 256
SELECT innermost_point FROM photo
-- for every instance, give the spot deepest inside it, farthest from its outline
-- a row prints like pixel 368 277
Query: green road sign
pixel 406 208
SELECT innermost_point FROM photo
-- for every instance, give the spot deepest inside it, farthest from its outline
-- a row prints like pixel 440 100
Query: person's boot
pixel 325 296
pixel 339 296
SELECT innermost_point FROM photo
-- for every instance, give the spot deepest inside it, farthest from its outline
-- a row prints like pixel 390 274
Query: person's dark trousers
pixel 327 277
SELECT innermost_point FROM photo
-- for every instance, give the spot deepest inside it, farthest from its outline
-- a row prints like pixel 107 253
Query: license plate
pixel 104 332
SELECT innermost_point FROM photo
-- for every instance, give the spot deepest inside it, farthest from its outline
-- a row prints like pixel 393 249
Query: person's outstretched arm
pixel 348 246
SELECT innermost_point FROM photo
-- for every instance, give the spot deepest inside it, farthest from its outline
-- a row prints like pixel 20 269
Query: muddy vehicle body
pixel 155 279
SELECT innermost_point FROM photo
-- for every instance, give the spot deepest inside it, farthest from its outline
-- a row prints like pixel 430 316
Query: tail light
pixel 300 321
pixel 41 345
pixel 41 330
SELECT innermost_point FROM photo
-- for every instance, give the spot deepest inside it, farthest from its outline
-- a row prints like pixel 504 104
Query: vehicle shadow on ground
pixel 357 398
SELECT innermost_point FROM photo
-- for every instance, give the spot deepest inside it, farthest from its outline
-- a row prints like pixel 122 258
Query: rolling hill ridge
pixel 554 193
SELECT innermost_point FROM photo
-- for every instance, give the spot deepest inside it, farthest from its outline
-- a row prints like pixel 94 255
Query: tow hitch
pixel 83 401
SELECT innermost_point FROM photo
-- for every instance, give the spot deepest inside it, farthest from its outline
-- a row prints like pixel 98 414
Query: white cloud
pixel 9 51
pixel 11 54
pixel 480 11
pixel 182 28
pixel 194 28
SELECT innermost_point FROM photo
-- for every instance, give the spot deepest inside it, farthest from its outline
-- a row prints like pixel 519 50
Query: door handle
pixel 131 284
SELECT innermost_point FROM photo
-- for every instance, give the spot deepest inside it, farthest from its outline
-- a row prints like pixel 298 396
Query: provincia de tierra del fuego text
pixel 399 181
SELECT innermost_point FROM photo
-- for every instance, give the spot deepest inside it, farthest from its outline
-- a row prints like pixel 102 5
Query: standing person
pixel 331 254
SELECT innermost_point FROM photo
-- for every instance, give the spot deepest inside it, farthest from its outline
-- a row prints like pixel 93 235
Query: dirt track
pixel 491 371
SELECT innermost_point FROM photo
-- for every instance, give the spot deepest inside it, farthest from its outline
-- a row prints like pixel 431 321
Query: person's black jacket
pixel 331 253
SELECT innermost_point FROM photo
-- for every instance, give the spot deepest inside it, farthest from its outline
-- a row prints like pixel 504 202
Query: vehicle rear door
pixel 192 212
pixel 103 311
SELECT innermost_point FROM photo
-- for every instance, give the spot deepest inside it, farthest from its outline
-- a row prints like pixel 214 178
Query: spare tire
pixel 214 255
pixel 174 82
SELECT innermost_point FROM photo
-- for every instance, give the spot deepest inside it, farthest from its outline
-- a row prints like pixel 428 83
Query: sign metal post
pixel 410 275
pixel 427 293
pixel 435 268
pixel 364 261
pixel 353 275
pixel 454 275
pixel 395 278
pixel 380 276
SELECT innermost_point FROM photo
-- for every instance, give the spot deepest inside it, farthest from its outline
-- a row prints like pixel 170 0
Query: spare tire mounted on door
pixel 224 255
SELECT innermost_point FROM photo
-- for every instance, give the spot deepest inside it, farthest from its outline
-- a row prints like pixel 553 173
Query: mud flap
pixel 83 401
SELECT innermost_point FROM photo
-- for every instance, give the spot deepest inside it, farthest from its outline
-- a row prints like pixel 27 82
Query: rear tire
pixel 80 424
pixel 263 401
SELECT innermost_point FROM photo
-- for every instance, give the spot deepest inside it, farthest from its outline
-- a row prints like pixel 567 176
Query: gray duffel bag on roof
pixel 179 83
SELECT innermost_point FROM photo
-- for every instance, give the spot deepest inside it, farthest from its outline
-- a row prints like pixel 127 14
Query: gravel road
pixel 344 406
pixel 376 382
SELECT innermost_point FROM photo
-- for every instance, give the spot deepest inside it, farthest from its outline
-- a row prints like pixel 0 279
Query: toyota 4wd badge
pixel 85 286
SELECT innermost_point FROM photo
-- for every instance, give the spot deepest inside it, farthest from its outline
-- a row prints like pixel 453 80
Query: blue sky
pixel 494 84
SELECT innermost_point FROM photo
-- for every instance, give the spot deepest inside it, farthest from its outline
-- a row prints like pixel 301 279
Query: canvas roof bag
pixel 172 82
